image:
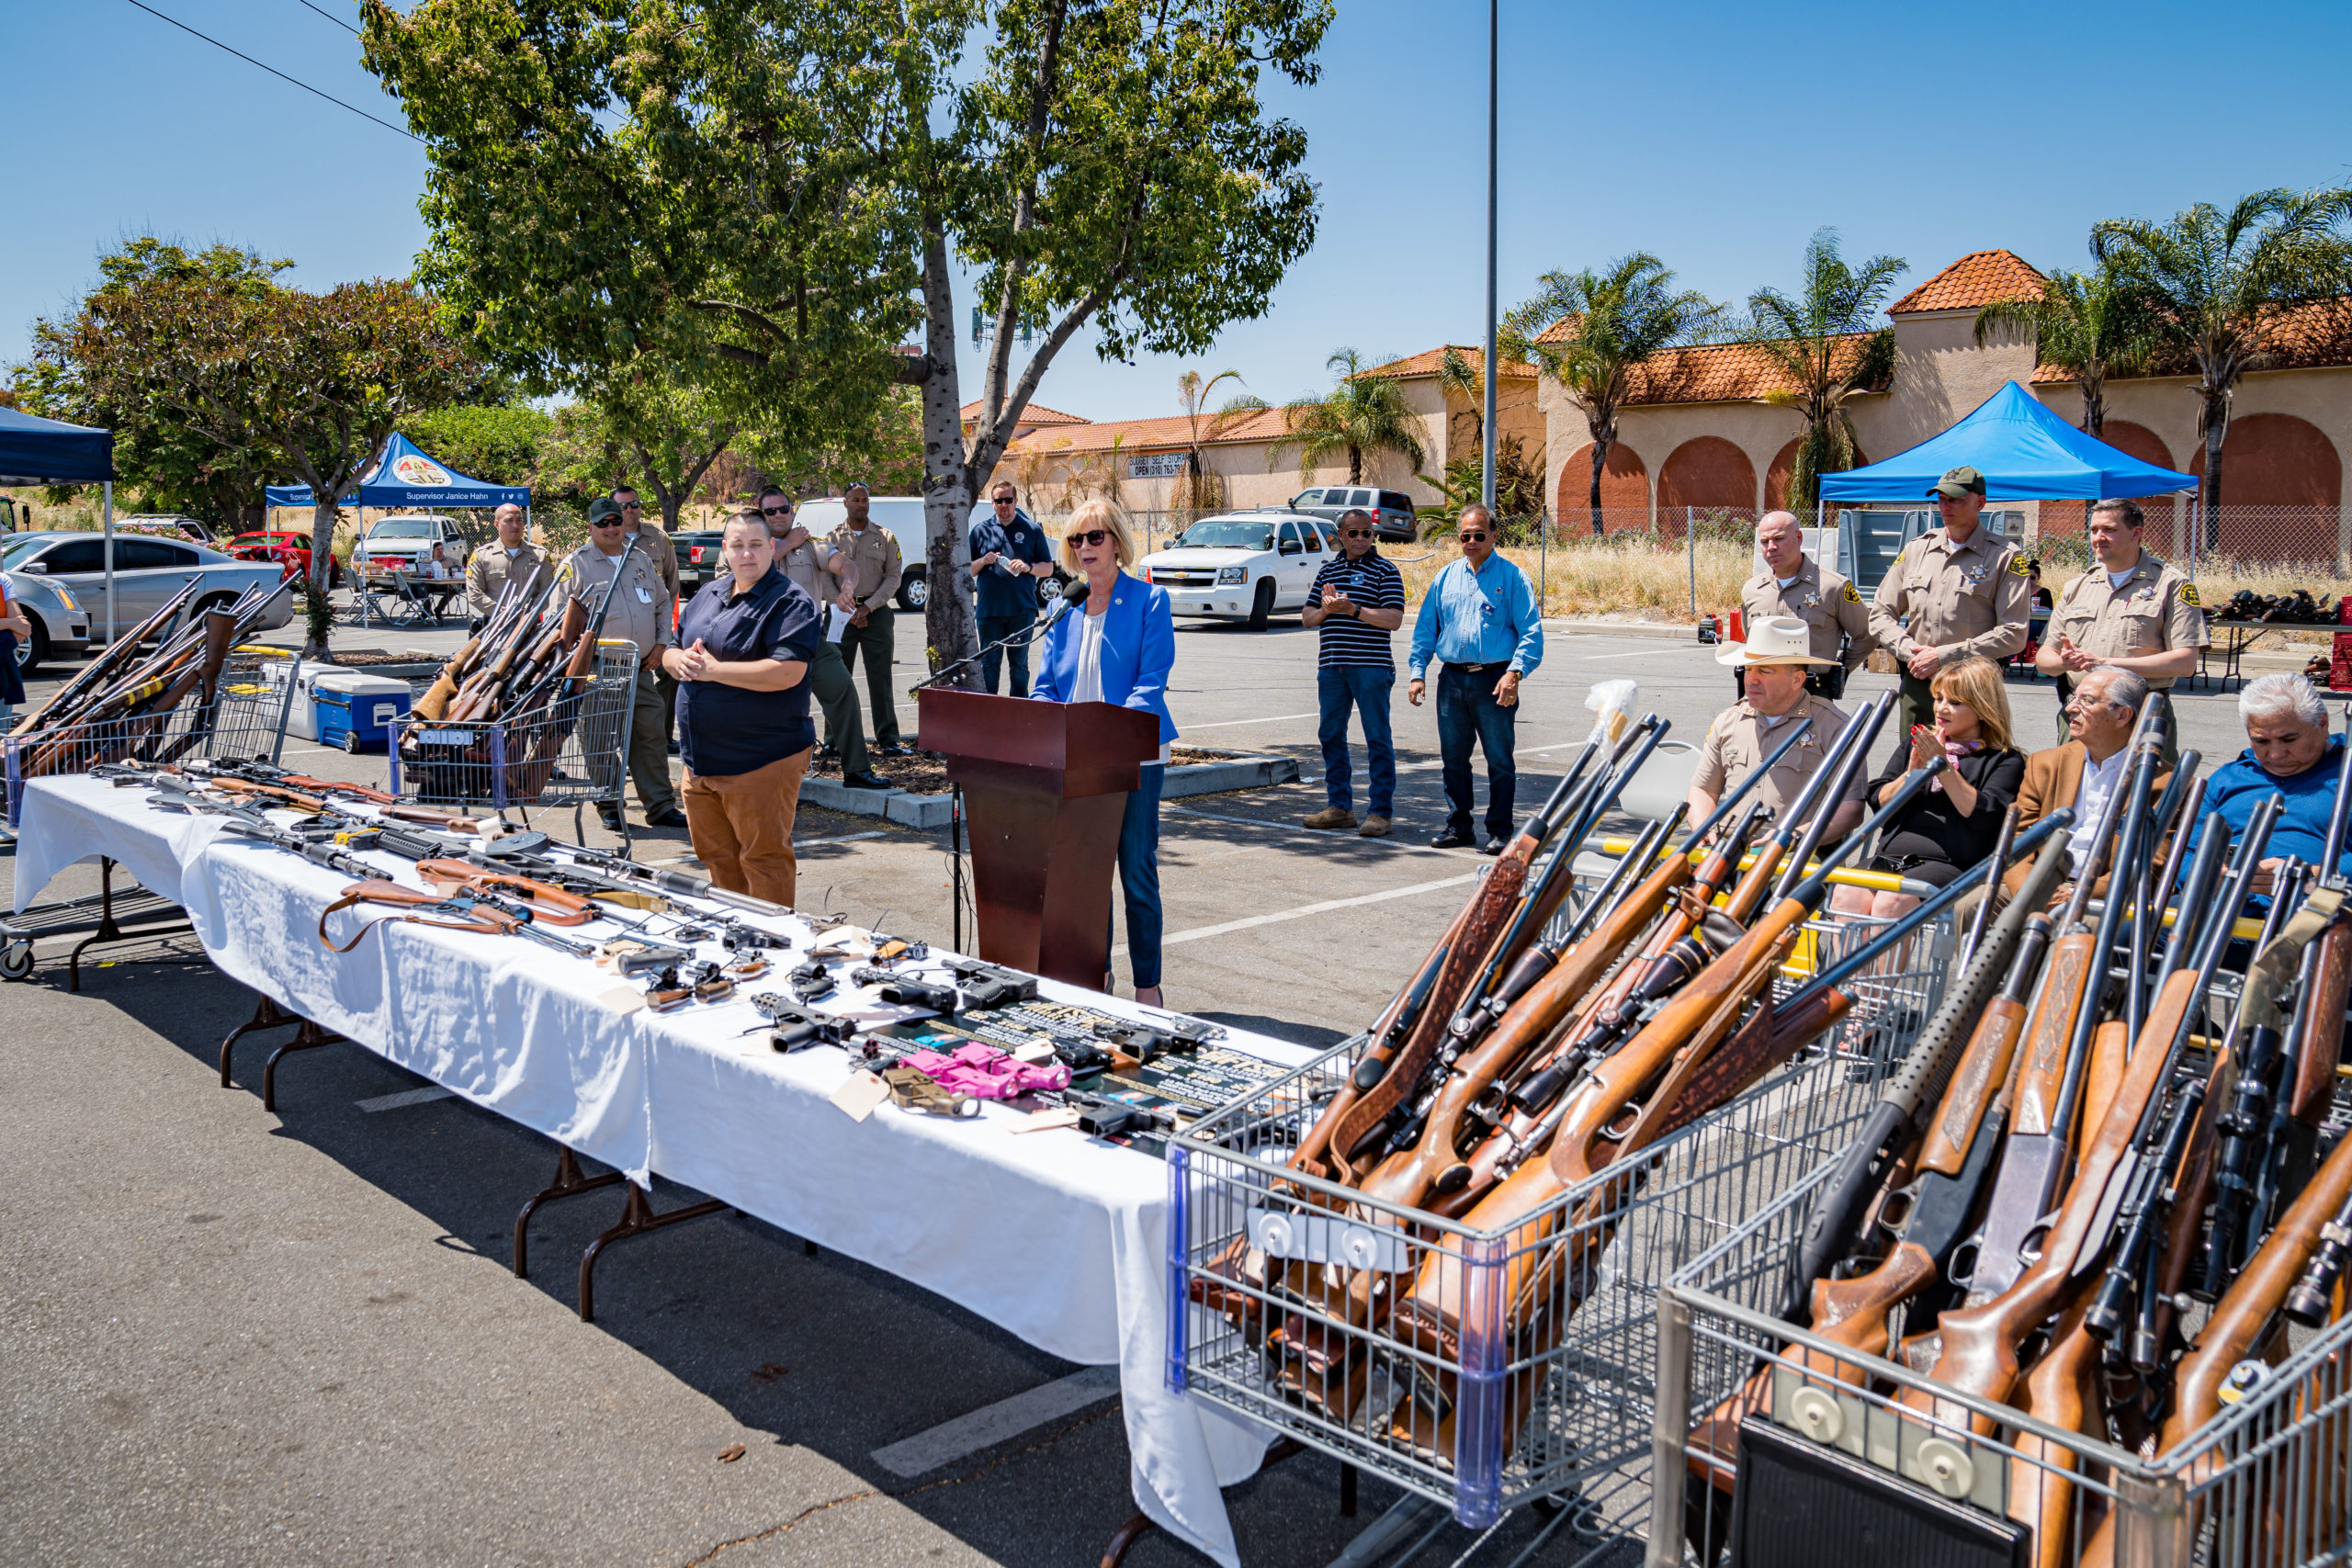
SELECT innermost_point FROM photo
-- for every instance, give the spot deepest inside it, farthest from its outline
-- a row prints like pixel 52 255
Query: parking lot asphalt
pixel 239 1337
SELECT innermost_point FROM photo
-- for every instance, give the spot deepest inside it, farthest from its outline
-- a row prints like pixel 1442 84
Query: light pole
pixel 1487 485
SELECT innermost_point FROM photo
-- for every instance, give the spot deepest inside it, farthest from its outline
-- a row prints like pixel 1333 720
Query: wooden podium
pixel 1044 788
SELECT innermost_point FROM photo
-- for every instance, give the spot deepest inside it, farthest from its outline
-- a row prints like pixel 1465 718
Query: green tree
pixel 1602 325
pixel 71 376
pixel 497 442
pixel 2090 324
pixel 1362 416
pixel 320 379
pixel 802 182
pixel 1202 491
pixel 2222 286
pixel 1826 345
pixel 669 434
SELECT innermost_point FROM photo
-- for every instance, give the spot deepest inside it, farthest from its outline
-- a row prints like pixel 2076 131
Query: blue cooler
pixel 357 711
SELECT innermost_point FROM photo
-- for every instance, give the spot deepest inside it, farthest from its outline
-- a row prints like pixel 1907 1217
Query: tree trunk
pixel 324 513
pixel 2093 409
pixel 1355 465
pixel 1600 445
pixel 950 633
pixel 2208 487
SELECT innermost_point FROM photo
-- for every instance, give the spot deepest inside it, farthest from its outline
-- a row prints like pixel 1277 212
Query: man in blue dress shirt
pixel 1480 620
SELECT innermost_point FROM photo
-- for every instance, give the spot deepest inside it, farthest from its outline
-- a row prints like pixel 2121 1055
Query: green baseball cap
pixel 603 507
pixel 1960 481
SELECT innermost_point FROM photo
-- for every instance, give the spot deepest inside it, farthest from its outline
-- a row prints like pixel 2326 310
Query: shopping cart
pixel 568 751
pixel 245 721
pixel 1827 1435
pixel 1541 1392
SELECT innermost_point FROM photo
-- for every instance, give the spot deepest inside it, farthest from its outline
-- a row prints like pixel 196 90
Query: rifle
pixel 504 623
pixel 677 883
pixel 1989 1024
pixel 1686 1027
pixel 555 904
pixel 478 698
pixel 1984 916
pixel 1979 1352
pixel 2056 1045
pixel 103 668
pixel 2149 893
pixel 530 777
pixel 470 909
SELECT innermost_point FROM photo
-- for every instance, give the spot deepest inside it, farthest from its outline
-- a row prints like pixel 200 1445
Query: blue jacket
pixel 2235 788
pixel 1139 651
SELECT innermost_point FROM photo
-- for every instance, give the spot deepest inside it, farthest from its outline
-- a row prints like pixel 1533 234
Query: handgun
pixel 906 990
pixel 988 986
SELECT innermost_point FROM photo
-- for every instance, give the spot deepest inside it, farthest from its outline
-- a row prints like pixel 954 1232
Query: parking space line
pixel 407 1097
pixel 1229 723
pixel 994 1423
pixel 1202 933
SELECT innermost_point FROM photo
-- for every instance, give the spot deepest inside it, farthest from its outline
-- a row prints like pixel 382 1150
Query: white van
pixel 902 515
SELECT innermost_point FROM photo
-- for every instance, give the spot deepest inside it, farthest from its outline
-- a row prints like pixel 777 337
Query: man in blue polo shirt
pixel 1480 620
pixel 1358 600
pixel 1009 555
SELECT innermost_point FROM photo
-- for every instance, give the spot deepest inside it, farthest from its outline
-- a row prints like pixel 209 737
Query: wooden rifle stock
pixel 117 655
pixel 2323 1032
pixel 553 905
pixel 479 919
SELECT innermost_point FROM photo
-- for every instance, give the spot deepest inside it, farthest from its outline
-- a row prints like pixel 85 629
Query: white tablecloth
pixel 1054 1238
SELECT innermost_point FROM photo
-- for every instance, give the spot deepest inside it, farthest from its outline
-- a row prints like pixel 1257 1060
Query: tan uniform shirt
pixel 2155 609
pixel 1824 601
pixel 801 563
pixel 1962 599
pixel 656 546
pixel 1741 738
pixel 640 613
pixel 490 568
pixel 873 552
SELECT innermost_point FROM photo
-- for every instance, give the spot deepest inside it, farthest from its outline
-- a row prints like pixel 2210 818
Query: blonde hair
pixel 1977 681
pixel 1091 515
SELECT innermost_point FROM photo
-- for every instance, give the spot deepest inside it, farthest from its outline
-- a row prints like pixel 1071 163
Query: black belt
pixel 1480 669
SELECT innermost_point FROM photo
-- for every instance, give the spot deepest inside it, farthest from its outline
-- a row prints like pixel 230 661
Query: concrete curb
pixel 925 812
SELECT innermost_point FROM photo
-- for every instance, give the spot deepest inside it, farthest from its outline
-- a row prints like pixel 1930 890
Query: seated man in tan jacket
pixel 2087 770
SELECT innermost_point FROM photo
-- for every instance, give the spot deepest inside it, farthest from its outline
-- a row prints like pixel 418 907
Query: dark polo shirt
pixel 722 729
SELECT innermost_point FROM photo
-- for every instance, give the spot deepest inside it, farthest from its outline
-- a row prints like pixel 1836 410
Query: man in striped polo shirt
pixel 1358 599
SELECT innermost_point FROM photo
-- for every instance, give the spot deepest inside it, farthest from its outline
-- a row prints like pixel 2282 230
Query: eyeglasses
pixel 1092 536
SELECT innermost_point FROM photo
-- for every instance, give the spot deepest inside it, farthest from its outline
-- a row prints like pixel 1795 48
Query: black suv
pixel 1392 511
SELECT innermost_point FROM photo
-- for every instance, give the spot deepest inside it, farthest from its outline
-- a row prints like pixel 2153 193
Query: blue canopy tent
pixel 404 475
pixel 48 451
pixel 2024 451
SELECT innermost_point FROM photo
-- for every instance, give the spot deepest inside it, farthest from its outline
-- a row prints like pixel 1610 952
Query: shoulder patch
pixel 2188 596
pixel 2017 566
pixel 1853 594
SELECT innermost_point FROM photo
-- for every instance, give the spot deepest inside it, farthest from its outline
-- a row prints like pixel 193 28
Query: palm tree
pixel 2221 284
pixel 2089 324
pixel 1362 416
pixel 1823 344
pixel 1200 489
pixel 1609 322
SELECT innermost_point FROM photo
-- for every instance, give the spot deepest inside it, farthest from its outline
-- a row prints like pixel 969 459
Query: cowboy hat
pixel 1775 639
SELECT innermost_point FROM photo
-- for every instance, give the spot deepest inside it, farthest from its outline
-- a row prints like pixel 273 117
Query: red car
pixel 290 550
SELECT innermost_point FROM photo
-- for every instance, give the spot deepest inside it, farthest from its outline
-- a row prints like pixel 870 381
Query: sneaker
pixel 867 780
pixel 1452 839
pixel 1332 816
pixel 1375 827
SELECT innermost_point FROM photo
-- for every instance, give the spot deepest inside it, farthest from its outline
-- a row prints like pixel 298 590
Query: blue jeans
pixel 1139 873
pixel 1466 706
pixel 996 629
pixel 1365 688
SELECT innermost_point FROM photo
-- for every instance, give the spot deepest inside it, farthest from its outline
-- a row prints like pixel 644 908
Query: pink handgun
pixel 986 1073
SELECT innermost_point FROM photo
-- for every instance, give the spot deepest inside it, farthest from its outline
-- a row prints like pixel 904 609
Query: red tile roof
pixel 1172 431
pixel 1427 363
pixel 1972 282
pixel 2301 337
pixel 1031 413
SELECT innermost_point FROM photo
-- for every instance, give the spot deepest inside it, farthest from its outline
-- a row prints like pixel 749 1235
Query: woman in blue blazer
pixel 1119 649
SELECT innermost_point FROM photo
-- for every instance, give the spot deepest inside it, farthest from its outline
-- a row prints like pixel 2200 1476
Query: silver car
pixel 147 572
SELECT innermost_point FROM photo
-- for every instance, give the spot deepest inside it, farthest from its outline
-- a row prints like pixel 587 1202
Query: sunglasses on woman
pixel 1092 536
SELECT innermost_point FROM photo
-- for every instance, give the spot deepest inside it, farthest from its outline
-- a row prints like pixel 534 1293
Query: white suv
pixel 404 544
pixel 1242 565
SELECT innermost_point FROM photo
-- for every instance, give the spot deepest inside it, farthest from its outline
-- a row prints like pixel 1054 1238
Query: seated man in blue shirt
pixel 1480 620
pixel 2290 752
pixel 1009 555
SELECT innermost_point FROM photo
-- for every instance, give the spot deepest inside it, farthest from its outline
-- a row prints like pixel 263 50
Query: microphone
pixel 1072 593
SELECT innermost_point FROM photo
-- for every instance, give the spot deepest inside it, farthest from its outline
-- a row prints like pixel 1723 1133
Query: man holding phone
pixel 1358 600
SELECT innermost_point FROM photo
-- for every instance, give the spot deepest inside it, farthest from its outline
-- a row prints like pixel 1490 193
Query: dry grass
pixel 1627 576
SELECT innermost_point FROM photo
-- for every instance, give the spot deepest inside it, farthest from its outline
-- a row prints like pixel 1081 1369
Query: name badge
pixel 643 597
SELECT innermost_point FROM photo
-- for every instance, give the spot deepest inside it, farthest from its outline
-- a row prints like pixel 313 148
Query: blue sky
pixel 1717 135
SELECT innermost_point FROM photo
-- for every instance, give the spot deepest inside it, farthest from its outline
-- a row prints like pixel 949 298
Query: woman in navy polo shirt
pixel 741 665
pixel 1119 649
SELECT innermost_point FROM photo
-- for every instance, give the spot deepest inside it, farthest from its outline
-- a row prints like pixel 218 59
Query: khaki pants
pixel 837 696
pixel 872 639
pixel 741 826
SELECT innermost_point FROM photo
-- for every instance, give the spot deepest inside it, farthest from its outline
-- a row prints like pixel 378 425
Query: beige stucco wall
pixel 1654 431
pixel 1939 377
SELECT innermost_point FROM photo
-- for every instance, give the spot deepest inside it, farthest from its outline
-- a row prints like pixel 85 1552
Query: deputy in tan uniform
pixel 2130 612
pixel 797 553
pixel 640 614
pixel 654 544
pixel 1831 607
pixel 866 558
pixel 1776 657
pixel 1964 588
pixel 512 559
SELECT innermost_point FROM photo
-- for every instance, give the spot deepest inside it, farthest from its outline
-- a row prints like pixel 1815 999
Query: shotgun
pixel 528 776
pixel 116 655
pixel 1690 1023
pixel 1984 916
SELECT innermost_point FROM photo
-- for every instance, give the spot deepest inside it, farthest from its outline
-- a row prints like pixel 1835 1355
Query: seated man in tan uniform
pixel 1776 657
pixel 1831 607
